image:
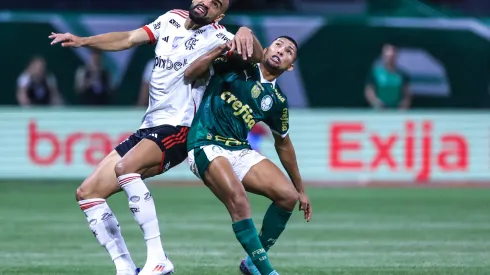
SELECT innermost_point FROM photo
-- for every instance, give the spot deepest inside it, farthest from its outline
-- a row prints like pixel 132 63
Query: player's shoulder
pixel 175 18
pixel 281 97
pixel 177 13
pixel 219 32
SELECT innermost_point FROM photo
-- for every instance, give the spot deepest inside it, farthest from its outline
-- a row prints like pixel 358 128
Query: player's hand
pixel 305 206
pixel 66 39
pixel 243 43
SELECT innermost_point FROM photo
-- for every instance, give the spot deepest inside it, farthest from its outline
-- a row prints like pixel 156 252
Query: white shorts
pixel 241 160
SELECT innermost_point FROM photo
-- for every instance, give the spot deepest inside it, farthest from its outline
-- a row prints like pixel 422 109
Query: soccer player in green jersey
pixel 238 96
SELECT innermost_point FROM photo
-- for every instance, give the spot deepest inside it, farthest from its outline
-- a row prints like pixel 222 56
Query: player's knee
pixel 287 199
pixel 84 192
pixel 122 168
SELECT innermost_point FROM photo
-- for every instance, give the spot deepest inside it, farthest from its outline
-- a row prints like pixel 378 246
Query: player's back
pixel 233 103
pixel 173 101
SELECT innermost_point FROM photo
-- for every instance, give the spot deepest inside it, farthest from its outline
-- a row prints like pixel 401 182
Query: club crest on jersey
pixel 191 43
pixel 256 91
pixel 177 39
pixel 266 103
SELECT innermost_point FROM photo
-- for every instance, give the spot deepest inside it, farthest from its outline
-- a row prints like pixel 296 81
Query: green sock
pixel 247 235
pixel 274 223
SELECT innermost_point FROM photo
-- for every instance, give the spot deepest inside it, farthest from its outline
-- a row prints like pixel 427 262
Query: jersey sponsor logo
pixel 266 103
pixel 242 110
pixel 165 39
pixel 256 91
pixel 176 41
pixel 285 120
pixel 168 64
pixel 174 23
pixel 228 141
pixel 157 25
pixel 279 96
pixel 199 31
pixel 191 43
pixel 223 37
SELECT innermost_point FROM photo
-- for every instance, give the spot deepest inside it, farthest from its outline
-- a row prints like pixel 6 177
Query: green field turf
pixel 354 231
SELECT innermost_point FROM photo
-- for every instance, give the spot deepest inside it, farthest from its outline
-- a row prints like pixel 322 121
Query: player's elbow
pixel 190 74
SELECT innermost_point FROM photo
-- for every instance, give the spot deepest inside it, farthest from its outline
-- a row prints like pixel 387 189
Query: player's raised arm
pixel 246 45
pixel 201 66
pixel 112 41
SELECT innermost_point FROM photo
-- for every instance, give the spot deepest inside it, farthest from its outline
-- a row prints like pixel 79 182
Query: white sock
pixel 106 229
pixel 142 206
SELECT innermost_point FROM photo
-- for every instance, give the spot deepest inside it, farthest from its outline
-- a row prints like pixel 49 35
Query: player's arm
pixel 200 66
pixel 287 155
pixel 112 41
pixel 246 45
pixel 279 125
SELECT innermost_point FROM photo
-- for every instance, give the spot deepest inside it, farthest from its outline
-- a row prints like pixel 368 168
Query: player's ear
pixel 219 18
pixel 290 68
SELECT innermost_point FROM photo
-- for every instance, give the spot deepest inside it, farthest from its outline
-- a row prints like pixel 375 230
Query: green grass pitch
pixel 354 231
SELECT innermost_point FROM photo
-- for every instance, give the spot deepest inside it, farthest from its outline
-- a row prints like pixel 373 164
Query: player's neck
pixel 190 25
pixel 267 74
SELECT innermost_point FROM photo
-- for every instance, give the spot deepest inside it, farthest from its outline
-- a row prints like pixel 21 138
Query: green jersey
pixel 388 85
pixel 236 99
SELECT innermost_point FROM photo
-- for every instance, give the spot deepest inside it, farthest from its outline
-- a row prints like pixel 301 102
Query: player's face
pixel 280 55
pixel 205 12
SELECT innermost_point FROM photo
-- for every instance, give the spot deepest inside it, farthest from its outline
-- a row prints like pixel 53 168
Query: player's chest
pixel 185 43
pixel 252 97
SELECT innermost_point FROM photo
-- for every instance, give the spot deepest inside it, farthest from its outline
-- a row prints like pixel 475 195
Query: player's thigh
pixel 212 165
pixel 160 149
pixel 266 179
pixel 102 183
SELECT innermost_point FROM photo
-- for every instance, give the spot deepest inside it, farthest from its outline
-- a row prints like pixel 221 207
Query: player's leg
pixel 266 179
pixel 212 166
pixel 162 148
pixel 91 197
pixel 261 176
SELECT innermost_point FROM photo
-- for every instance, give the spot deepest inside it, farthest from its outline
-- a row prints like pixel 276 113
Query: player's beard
pixel 196 17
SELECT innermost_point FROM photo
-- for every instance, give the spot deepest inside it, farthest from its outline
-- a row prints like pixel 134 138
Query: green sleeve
pixel 278 120
pixel 226 64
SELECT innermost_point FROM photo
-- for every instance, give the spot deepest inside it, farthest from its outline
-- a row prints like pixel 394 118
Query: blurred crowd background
pixel 352 51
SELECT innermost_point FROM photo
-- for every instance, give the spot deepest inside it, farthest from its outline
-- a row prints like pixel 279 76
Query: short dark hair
pixel 292 41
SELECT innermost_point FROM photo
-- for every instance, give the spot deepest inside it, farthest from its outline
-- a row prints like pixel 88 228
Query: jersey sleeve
pixel 278 122
pixel 154 28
